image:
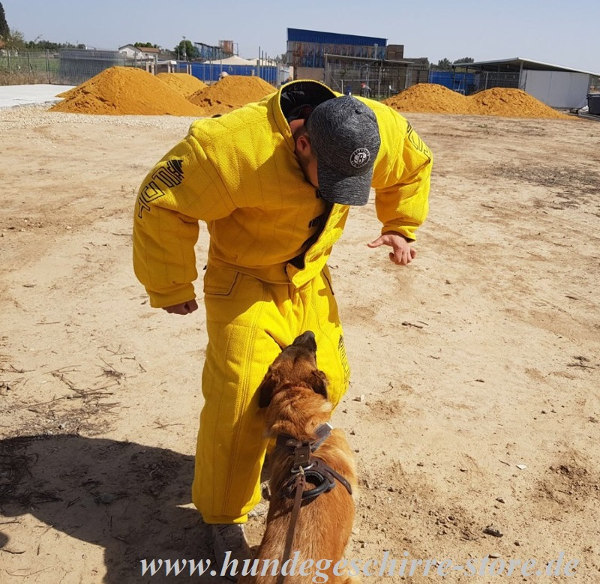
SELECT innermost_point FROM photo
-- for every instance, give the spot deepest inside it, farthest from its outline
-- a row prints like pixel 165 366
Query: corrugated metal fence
pixel 210 72
pixel 469 83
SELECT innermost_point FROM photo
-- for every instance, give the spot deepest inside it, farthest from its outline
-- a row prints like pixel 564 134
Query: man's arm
pixel 401 180
pixel 182 189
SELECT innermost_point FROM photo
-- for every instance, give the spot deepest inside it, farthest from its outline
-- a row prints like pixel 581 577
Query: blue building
pixel 307 50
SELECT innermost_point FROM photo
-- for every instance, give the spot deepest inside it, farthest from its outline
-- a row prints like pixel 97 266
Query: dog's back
pixel 324 523
pixel 294 392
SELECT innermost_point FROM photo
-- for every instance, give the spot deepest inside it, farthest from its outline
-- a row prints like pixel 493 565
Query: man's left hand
pixel 402 253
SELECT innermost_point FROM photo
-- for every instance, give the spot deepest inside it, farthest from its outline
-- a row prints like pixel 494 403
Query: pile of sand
pixel 230 93
pixel 511 103
pixel 429 98
pixel 126 91
pixel 433 98
pixel 183 83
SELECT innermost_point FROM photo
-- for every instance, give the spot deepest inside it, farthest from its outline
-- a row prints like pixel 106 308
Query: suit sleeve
pixel 182 189
pixel 402 176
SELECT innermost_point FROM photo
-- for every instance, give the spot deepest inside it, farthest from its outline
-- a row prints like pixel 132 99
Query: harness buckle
pixel 302 458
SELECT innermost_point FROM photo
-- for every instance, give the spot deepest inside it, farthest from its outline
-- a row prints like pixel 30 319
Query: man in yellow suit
pixel 274 182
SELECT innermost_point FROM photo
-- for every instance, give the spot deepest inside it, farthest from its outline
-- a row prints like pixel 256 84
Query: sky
pixel 551 31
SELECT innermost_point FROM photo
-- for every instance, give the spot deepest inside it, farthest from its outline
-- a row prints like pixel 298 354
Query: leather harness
pixel 306 468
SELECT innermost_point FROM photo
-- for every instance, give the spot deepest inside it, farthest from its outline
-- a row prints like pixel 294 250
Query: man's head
pixel 337 148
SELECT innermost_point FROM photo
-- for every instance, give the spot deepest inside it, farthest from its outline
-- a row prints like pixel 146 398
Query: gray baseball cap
pixel 345 138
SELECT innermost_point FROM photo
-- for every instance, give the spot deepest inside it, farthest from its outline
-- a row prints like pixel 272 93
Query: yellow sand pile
pixel 230 93
pixel 67 93
pixel 126 91
pixel 512 103
pixel 183 83
pixel 433 98
pixel 429 98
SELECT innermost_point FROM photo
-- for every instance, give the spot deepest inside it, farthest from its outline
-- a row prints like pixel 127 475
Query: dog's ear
pixel 267 387
pixel 318 382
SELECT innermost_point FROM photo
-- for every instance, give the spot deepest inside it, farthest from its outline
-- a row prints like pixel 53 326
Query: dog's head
pixel 294 391
pixel 295 367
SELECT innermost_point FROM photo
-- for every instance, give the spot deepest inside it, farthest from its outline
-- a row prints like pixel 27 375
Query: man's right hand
pixel 183 308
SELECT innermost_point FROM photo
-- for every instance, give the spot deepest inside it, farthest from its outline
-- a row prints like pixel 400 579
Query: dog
pixel 297 411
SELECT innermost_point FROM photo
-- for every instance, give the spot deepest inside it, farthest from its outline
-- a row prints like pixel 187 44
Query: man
pixel 274 182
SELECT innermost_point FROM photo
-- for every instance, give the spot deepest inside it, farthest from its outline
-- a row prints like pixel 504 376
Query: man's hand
pixel 402 253
pixel 183 308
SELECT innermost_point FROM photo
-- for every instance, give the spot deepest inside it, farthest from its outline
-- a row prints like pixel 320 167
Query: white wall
pixel 129 52
pixel 560 89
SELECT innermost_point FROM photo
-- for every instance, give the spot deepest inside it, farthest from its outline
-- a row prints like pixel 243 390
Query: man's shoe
pixel 230 545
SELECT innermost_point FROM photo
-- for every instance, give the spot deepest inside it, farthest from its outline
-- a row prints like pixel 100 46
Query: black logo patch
pixel 416 141
pixel 344 360
pixel 170 175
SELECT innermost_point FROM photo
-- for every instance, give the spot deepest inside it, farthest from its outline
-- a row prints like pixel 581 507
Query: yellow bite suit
pixel 266 279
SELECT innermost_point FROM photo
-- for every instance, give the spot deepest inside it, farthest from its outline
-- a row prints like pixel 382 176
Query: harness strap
pixel 322 432
pixel 299 482
pixel 318 473
pixel 336 475
pixel 306 468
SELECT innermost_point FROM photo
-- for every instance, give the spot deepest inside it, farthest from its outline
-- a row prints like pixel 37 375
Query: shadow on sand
pixel 123 496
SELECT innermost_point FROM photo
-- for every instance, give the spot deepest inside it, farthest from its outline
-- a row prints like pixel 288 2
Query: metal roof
pixel 317 36
pixel 369 59
pixel 516 63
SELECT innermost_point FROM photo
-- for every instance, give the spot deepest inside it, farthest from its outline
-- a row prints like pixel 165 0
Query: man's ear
pixel 318 382
pixel 303 146
pixel 267 387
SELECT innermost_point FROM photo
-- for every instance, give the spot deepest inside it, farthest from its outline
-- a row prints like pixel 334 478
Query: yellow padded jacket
pixel 239 174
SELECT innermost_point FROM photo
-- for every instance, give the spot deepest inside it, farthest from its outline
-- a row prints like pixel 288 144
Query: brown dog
pixel 294 393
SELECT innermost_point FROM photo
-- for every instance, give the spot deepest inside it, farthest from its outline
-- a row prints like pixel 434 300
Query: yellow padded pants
pixel 247 320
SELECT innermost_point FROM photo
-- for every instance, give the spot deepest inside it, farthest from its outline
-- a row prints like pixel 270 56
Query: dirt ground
pixel 474 407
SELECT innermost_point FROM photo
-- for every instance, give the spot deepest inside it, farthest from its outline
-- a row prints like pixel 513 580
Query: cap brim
pixel 344 190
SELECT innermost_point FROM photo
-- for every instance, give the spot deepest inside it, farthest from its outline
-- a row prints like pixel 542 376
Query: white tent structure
pixel 234 60
pixel 556 86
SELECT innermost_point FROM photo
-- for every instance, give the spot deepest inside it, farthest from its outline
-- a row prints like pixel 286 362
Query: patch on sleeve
pixel 165 176
pixel 416 141
pixel 344 360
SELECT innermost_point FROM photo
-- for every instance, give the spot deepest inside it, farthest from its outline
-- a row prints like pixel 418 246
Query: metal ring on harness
pixel 323 482
pixel 306 468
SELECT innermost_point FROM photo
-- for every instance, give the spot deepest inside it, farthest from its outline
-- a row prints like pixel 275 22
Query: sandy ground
pixel 474 408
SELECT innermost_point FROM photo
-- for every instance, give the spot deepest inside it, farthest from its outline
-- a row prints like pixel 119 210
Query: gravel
pixel 29 116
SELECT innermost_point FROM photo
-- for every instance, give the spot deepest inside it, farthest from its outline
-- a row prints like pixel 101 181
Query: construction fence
pixel 212 72
pixel 66 67
pixel 374 78
pixel 382 78
pixel 469 83
pixel 75 66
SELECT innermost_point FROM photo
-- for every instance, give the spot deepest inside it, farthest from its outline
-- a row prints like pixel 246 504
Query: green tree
pixel 147 45
pixel 44 45
pixel 444 65
pixel 186 50
pixel 15 41
pixel 4 30
pixel 464 60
